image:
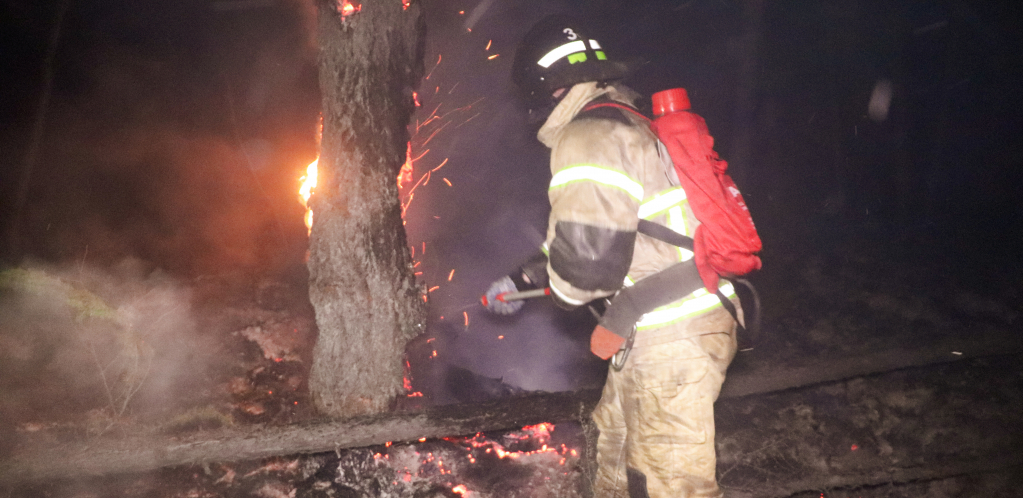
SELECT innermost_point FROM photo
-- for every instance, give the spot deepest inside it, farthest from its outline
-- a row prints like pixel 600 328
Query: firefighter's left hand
pixel 501 286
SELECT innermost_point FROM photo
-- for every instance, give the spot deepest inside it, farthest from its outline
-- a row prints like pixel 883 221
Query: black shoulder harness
pixel 605 108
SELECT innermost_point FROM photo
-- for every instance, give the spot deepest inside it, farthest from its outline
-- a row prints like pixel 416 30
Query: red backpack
pixel 726 241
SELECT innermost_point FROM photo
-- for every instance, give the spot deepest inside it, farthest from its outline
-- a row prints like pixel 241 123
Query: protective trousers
pixel 656 416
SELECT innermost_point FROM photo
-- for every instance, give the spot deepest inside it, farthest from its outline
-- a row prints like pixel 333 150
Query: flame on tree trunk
pixel 361 278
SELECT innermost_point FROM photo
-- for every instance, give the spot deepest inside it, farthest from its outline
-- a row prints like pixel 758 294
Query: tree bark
pixel 362 285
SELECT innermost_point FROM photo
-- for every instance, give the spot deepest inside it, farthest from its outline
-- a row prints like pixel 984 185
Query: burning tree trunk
pixel 361 279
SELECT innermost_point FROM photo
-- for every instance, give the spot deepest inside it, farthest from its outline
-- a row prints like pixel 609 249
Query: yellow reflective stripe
pixel 577 57
pixel 597 174
pixel 568 49
pixel 629 282
pixel 698 302
pixel 677 222
pixel 559 52
pixel 661 202
pixel 563 297
pixel 727 289
pixel 544 249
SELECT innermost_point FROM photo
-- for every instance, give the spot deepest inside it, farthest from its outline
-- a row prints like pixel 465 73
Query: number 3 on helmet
pixel 559 52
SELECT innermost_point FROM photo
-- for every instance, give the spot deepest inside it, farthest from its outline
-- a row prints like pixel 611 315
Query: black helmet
pixel 559 52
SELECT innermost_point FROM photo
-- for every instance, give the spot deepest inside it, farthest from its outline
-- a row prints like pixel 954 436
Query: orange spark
pixel 435 287
pixel 446 181
pixel 466 315
pixel 460 489
pixel 488 44
pixel 492 57
pixel 452 274
pixel 434 68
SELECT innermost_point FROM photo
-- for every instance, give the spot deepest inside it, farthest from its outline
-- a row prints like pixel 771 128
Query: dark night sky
pixel 176 132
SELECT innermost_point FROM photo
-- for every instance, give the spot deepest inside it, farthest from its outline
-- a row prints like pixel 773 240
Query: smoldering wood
pixel 107 456
pixel 362 284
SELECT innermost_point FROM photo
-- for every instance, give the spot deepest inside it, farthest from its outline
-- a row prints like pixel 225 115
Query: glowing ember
pixel 405 175
pixel 305 191
pixel 347 8
pixel 554 468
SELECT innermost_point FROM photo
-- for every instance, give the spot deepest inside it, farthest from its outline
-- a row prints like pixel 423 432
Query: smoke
pixel 168 167
pixel 491 218
pixel 112 343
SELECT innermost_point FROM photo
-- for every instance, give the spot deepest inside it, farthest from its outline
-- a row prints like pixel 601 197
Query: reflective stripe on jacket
pixel 606 175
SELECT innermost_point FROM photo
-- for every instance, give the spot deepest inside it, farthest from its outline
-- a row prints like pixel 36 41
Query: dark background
pixel 174 133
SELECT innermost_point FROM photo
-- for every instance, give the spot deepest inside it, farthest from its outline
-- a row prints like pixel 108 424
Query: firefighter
pixel 609 171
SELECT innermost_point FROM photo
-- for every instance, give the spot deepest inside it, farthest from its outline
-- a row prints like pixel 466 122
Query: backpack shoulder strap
pixel 605 108
pixel 665 234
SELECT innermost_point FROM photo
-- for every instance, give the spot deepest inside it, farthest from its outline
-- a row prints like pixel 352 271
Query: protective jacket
pixel 655 415
pixel 608 171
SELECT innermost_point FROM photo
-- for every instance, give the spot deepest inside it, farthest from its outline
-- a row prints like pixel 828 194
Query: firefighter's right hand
pixel 501 286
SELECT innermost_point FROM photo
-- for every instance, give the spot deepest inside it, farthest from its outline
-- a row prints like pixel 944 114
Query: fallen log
pixel 772 375
pixel 138 454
